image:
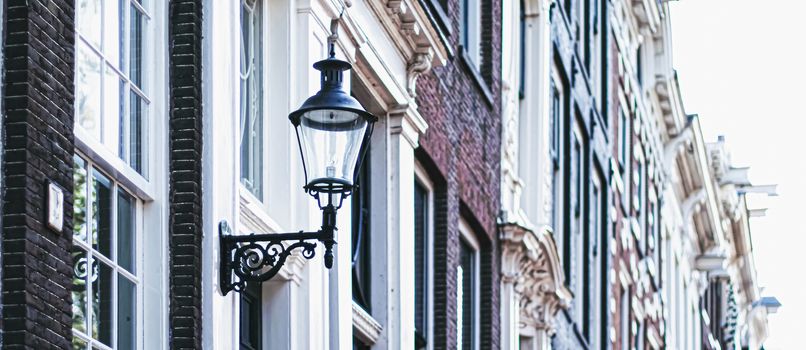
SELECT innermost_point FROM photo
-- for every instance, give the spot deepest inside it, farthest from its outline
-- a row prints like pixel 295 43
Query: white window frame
pixel 262 10
pixel 624 155
pixel 598 232
pixel 93 147
pixel 471 31
pixel 421 177
pixel 624 319
pixel 578 223
pixel 639 200
pixel 466 235
pixel 557 174
pixel 112 261
pixel 150 188
pixel 264 214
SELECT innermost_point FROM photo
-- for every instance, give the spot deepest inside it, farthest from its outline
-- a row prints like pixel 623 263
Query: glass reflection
pixel 88 20
pixel 126 231
pixel 127 311
pixel 79 199
pixel 101 214
pixel 88 90
pixel 102 302
pixel 81 269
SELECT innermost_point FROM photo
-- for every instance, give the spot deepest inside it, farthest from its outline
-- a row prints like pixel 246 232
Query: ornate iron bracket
pixel 259 257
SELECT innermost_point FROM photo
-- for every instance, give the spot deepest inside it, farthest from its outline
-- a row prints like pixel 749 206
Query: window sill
pixel 253 214
pixel 365 328
pixel 253 218
pixel 114 166
pixel 476 76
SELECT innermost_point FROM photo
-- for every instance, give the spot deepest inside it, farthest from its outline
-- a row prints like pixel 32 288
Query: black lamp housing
pixel 333 132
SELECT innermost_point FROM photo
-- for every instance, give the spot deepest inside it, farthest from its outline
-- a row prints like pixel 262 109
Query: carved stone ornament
pixel 419 64
pixel 417 39
pixel 532 264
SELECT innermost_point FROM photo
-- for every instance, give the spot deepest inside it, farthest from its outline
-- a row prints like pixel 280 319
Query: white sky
pixel 742 68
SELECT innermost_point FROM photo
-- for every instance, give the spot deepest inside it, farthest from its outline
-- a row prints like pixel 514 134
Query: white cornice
pixel 414 34
pixel 366 328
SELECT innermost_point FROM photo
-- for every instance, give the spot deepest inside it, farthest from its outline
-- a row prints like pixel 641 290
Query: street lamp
pixel 333 132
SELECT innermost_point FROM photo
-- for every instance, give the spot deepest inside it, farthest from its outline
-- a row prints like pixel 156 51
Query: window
pixel 592 271
pixel 639 65
pixel 522 54
pixel 105 249
pixel 602 265
pixel 467 293
pixel 575 240
pixel 422 255
pixel 554 136
pixel 640 336
pixel 587 34
pixel 657 230
pixel 640 202
pixel 251 107
pixel 624 140
pixel 111 105
pixel 360 238
pixel 567 8
pixel 624 319
pixel 470 34
pixel 251 317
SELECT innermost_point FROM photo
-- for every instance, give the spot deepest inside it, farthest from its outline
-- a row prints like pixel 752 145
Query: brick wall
pixel 461 150
pixel 185 229
pixel 38 148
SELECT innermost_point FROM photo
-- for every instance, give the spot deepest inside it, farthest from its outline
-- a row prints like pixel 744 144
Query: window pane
pixel 79 290
pixel 80 200
pixel 361 239
pixel 466 274
pixel 250 104
pixel 127 313
pixel 112 28
pixel 101 214
pixel 112 103
pixel 471 30
pixel 251 327
pixel 126 231
pixel 420 263
pixel 137 142
pixel 88 20
pixel 88 90
pixel 79 344
pixel 136 46
pixel 102 302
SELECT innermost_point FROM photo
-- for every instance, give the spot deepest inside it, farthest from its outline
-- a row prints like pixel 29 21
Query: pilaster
pixel 392 157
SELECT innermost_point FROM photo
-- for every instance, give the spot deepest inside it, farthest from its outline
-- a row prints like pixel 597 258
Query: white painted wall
pixel 307 306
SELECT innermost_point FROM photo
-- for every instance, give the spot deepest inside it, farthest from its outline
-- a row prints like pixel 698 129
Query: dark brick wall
pixel 461 148
pixel 38 148
pixel 185 174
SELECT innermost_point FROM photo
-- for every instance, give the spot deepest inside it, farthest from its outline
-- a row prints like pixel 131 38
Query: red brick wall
pixel 461 151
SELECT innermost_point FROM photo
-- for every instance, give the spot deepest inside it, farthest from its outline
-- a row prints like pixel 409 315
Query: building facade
pixel 619 223
pixel 533 180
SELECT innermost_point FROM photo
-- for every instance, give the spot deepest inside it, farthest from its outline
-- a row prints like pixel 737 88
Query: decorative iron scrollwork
pixel 259 257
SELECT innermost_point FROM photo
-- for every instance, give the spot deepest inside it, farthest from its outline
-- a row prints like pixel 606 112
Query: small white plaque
pixel 55 207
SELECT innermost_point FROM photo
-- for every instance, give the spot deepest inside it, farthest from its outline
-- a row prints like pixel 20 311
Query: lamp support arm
pixel 259 257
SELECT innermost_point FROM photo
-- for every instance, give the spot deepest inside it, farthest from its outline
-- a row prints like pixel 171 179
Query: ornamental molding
pixel 419 64
pixel 414 34
pixel 365 328
pixel 406 121
pixel 648 13
pixel 532 264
